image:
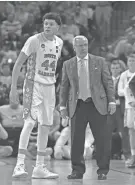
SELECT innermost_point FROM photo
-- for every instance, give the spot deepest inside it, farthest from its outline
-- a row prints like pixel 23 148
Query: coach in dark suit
pixel 87 95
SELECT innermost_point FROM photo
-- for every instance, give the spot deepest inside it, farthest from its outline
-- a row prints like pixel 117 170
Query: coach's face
pixel 81 47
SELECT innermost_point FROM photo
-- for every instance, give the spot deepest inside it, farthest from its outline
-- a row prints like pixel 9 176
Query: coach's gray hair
pixel 79 37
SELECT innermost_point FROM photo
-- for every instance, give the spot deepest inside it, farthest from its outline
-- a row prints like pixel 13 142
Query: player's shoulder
pixel 124 74
pixel 59 40
pixel 33 38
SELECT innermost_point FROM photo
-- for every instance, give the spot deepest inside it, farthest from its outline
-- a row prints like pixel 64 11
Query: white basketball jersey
pixel 47 54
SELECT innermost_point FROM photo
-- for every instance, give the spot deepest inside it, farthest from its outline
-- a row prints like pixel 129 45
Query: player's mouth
pixel 48 31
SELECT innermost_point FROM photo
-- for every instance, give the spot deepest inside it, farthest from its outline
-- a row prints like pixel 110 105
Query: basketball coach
pixel 87 97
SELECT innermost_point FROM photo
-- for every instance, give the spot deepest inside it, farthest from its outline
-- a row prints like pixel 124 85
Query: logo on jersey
pixel 57 49
pixel 42 45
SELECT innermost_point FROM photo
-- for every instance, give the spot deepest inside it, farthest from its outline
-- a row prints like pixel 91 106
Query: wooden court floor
pixel 118 175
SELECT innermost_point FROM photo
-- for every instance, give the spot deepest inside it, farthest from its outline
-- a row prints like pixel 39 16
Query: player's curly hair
pixel 53 16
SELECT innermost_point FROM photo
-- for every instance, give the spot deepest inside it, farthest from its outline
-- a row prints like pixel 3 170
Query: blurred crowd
pixel 22 19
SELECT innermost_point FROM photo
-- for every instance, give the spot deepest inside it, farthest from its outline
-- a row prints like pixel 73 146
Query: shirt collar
pixel 115 78
pixel 85 58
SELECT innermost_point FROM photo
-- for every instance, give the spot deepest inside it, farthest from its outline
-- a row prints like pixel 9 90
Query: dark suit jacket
pixel 101 84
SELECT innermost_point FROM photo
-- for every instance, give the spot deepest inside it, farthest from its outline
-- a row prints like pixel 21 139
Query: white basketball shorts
pixel 43 103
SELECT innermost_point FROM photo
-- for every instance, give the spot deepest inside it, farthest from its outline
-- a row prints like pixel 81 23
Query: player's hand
pixel 13 96
pixel 64 113
pixel 112 108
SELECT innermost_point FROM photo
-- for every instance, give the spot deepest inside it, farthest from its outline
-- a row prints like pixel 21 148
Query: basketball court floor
pixel 118 175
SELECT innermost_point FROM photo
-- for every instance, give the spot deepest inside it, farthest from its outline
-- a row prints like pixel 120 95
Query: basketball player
pixel 42 51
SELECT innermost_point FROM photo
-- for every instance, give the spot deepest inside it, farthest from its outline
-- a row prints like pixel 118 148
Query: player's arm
pixel 28 48
pixel 17 67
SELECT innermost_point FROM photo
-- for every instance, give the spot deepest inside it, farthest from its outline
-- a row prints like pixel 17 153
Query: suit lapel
pixel 74 70
pixel 91 66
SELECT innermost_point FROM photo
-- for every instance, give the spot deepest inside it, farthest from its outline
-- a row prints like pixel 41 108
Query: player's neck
pixel 49 37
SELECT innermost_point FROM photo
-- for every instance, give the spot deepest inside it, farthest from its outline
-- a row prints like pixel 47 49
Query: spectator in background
pixel 21 14
pixel 123 90
pixel 5 9
pixel 29 27
pixel 65 35
pixel 5 149
pixel 80 16
pixel 5 78
pixel 4 94
pixel 33 7
pixel 8 52
pixel 63 144
pixel 12 122
pixel 117 119
pixel 45 7
pixel 125 47
pixel 103 12
pixel 10 28
pixel 81 21
pixel 73 29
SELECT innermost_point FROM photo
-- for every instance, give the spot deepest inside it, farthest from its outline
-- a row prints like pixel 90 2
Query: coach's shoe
pixel 20 171
pixel 41 172
pixel 75 175
pixel 102 177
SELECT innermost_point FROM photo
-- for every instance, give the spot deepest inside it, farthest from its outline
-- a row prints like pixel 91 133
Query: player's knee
pixel 29 124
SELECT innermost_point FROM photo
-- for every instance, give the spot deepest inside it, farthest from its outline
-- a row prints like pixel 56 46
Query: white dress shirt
pixel 115 80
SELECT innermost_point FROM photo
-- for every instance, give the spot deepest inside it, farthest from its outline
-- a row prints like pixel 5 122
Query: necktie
pixel 115 83
pixel 83 90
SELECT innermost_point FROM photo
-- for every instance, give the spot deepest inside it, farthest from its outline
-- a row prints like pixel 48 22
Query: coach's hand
pixel 13 96
pixel 112 108
pixel 64 113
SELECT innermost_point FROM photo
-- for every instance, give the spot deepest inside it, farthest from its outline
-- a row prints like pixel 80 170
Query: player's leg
pixel 29 124
pixel 45 119
pixel 23 144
